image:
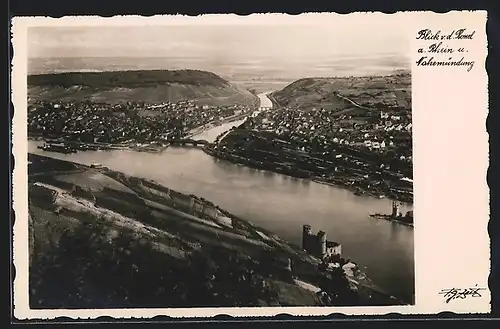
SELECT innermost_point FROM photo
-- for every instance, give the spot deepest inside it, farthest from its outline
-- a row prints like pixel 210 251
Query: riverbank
pixel 211 125
pixel 202 221
pixel 364 173
pixel 390 218
pixel 343 181
pixel 69 144
pixel 72 146
pixel 277 203
pixel 61 145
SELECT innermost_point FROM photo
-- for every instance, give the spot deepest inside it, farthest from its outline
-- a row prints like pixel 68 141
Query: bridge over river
pixel 189 142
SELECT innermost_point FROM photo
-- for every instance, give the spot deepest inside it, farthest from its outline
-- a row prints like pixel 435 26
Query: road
pixel 354 103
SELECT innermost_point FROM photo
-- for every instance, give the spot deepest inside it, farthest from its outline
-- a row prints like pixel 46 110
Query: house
pixel 333 248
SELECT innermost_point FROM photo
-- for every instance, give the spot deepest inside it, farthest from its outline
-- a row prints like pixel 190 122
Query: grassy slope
pixel 151 86
pixel 171 233
pixel 394 90
pixel 126 210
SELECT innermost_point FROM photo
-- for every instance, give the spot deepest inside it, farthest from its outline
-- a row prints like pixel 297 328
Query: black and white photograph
pixel 211 165
pixel 225 161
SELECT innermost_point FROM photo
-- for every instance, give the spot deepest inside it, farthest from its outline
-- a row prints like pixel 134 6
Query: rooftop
pixel 330 244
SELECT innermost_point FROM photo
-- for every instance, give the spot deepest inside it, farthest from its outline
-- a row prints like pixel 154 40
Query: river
pixel 282 204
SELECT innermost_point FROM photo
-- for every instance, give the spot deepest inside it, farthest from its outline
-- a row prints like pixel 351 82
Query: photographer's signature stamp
pixel 461 293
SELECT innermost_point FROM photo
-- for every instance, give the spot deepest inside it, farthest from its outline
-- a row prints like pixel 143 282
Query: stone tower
pixel 321 243
pixel 306 237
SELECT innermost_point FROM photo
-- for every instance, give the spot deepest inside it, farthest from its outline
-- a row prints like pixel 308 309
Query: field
pixel 348 93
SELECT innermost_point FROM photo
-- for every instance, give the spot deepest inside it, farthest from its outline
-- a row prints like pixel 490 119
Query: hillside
pixel 99 238
pixel 137 86
pixel 349 95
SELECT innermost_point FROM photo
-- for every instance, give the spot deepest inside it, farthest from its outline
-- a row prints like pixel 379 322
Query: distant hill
pixel 150 86
pixel 348 94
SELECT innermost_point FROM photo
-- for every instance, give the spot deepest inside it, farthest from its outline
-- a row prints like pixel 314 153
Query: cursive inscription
pixel 445 48
pixel 455 293
pixel 460 34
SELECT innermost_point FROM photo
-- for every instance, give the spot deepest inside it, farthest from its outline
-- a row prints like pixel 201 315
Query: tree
pixel 337 289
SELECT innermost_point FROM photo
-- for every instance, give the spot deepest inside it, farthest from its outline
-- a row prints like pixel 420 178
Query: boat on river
pixel 60 148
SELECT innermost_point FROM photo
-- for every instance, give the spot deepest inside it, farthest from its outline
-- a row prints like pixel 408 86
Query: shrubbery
pixel 88 270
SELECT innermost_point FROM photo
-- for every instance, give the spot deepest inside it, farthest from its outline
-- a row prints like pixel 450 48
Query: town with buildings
pixel 125 123
pixel 370 154
pixel 319 130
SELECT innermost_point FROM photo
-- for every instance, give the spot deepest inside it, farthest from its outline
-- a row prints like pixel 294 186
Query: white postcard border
pixel 451 239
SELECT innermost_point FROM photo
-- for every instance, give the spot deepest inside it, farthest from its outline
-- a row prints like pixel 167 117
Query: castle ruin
pixel 317 244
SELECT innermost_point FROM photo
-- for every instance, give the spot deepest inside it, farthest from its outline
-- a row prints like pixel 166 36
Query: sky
pixel 245 38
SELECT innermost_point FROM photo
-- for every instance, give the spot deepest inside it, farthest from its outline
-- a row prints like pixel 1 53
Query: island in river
pixel 100 238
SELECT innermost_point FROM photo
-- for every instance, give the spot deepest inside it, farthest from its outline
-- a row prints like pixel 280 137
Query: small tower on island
pixel 395 209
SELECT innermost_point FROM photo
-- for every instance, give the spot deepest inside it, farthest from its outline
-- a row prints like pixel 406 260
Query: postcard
pixel 250 165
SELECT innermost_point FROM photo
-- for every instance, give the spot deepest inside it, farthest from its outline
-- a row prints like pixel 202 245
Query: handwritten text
pixel 454 293
pixel 443 49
